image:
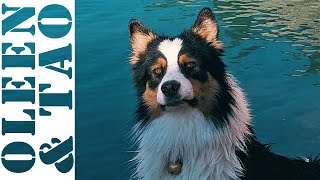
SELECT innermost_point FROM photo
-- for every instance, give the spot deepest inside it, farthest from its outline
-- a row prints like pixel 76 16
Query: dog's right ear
pixel 140 37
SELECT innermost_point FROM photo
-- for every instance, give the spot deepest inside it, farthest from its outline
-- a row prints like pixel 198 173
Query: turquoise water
pixel 272 47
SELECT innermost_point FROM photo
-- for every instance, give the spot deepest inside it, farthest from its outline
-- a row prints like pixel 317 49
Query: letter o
pixel 15 165
pixel 55 16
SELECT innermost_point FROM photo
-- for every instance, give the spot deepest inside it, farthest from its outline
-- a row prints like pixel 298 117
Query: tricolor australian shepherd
pixel 193 120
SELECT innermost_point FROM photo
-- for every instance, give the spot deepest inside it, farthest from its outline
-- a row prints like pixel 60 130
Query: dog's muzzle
pixel 174 88
pixel 170 90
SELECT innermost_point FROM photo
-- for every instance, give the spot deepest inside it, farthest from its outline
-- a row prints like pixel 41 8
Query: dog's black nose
pixel 170 88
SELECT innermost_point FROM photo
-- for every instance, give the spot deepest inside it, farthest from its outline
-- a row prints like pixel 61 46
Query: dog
pixel 193 121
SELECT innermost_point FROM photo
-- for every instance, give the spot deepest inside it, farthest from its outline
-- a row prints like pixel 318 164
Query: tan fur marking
pixel 183 59
pixel 161 62
pixel 139 43
pixel 150 99
pixel 205 93
pixel 208 30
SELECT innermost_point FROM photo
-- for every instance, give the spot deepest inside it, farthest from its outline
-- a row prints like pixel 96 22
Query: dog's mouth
pixel 179 103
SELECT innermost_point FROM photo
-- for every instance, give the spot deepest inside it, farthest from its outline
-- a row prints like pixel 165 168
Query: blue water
pixel 272 47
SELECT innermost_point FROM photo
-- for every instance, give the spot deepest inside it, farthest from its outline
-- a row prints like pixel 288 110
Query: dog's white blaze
pixel 207 152
pixel 170 49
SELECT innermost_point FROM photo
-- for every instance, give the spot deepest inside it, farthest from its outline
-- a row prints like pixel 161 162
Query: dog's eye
pixel 157 71
pixel 190 64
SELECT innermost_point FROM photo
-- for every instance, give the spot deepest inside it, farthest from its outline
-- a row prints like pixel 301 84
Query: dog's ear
pixel 206 27
pixel 140 37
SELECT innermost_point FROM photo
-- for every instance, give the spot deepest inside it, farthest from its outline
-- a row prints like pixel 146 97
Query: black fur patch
pixel 209 61
pixel 260 163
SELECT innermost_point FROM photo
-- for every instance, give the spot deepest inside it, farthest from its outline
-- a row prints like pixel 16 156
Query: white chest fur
pixel 207 152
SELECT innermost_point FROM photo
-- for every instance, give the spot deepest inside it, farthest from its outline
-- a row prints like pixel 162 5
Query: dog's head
pixel 186 70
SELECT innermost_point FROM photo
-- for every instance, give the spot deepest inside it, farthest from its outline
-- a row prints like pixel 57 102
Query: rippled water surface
pixel 272 47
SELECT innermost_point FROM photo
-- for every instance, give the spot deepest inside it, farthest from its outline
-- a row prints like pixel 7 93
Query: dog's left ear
pixel 206 27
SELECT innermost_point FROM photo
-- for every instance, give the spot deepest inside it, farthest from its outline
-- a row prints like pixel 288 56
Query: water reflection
pixel 295 22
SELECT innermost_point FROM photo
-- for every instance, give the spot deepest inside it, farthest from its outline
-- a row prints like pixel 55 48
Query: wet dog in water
pixel 193 120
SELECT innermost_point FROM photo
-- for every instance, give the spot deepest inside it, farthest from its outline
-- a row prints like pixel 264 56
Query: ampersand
pixel 54 153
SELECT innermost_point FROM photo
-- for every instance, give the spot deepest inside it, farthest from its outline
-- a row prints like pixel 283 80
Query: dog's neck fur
pixel 207 151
